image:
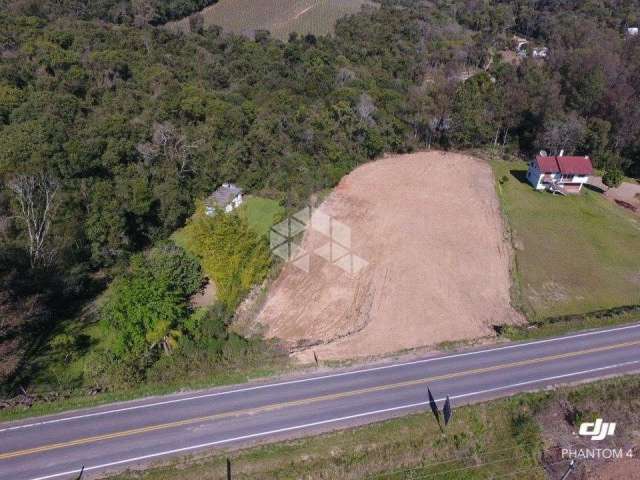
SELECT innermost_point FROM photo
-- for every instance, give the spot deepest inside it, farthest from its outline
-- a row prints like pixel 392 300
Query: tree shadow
pixel 520 175
pixel 59 314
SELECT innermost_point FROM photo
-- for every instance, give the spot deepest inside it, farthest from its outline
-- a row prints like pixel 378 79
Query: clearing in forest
pixel 280 17
pixel 438 264
pixel 575 254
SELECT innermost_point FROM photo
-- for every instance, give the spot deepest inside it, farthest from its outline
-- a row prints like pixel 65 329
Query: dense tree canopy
pixel 112 127
pixel 145 308
pixel 138 12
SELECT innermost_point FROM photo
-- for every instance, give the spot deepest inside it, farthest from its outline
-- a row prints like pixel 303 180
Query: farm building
pixel 540 52
pixel 226 198
pixel 632 31
pixel 559 174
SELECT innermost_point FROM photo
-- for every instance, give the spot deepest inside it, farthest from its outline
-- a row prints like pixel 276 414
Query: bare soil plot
pixel 280 17
pixel 430 228
pixel 206 297
pixel 627 192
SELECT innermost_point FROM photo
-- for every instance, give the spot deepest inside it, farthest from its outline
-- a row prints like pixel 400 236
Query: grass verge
pixel 71 400
pixel 555 326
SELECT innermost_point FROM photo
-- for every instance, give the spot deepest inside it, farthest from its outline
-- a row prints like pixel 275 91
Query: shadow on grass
pixel 59 314
pixel 520 175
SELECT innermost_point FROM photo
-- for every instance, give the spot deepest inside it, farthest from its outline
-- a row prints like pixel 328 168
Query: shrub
pixel 171 264
pixel 612 177
pixel 231 254
pixel 141 313
pixel 64 344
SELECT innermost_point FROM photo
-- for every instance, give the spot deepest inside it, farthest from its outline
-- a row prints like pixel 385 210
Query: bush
pixel 209 348
pixel 171 264
pixel 613 177
pixel 104 371
pixel 64 344
pixel 232 254
pixel 141 313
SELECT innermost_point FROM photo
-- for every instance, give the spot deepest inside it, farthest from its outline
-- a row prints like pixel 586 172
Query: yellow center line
pixel 306 401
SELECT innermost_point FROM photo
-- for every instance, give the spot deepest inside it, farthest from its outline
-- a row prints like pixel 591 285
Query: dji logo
pixel 597 430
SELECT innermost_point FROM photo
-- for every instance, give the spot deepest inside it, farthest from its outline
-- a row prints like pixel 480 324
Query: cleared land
pixel 628 192
pixel 430 228
pixel 261 213
pixel 574 254
pixel 280 17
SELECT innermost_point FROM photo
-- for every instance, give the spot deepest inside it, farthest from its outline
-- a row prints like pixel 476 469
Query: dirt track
pixel 429 226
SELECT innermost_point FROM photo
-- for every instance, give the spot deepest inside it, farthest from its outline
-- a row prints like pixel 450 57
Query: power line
pixel 450 460
pixel 459 469
pixel 470 467
pixel 461 459
pixel 510 474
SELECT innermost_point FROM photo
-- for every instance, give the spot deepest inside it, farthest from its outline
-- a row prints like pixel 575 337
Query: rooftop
pixel 566 165
pixel 223 195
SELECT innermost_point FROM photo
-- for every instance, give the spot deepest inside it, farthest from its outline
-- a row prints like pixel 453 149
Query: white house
pixel 559 174
pixel 540 52
pixel 226 198
pixel 521 46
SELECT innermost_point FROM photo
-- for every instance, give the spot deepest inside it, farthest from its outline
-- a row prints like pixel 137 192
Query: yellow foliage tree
pixel 231 254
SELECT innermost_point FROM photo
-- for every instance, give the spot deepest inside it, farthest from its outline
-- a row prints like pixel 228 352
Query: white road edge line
pixel 331 420
pixel 313 379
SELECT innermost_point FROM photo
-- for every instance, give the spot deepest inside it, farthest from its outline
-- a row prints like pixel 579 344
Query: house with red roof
pixel 559 174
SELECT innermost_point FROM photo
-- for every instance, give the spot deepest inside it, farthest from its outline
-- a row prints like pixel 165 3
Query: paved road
pixel 114 437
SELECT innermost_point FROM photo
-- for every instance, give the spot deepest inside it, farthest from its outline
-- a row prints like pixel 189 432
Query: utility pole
pixel 572 466
pixel 228 469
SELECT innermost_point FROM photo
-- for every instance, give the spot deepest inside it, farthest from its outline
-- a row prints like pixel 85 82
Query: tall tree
pixel 36 199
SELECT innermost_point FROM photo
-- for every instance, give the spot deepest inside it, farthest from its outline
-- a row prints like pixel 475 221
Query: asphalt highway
pixel 118 436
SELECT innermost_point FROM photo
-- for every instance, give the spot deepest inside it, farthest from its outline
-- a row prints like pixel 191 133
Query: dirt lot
pixel 430 228
pixel 560 418
pixel 627 192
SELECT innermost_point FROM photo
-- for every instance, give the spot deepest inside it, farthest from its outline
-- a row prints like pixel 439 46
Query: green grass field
pixel 261 213
pixel 574 254
pixel 280 17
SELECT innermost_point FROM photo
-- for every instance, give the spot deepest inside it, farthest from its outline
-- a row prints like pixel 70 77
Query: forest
pixel 129 12
pixel 111 128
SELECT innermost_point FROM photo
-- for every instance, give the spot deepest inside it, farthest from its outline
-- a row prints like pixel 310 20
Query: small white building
pixel 521 46
pixel 226 198
pixel 633 31
pixel 559 174
pixel 540 52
